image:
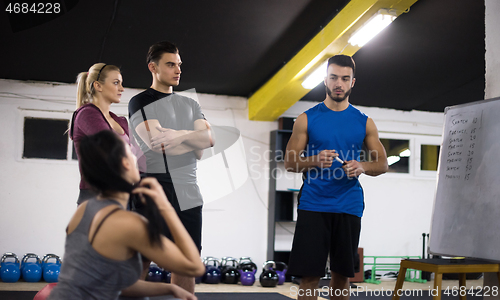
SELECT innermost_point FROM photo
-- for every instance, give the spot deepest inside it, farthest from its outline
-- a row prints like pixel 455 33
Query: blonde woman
pixel 98 88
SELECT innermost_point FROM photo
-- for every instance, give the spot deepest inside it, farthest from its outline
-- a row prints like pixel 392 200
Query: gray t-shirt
pixel 176 112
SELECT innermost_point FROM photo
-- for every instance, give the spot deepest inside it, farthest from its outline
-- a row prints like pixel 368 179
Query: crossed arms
pixel 176 142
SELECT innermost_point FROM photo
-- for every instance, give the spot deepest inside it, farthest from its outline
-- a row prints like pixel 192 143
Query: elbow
pixel 291 166
pixel 196 270
pixel 383 168
pixel 200 270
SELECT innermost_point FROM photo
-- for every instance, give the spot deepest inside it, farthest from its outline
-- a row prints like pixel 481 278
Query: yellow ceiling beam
pixel 285 88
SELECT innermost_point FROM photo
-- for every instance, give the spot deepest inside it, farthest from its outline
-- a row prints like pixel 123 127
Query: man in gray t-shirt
pixel 172 133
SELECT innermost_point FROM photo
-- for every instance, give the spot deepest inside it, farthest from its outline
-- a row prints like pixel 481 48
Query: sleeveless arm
pixel 378 163
pixel 378 156
pixel 294 161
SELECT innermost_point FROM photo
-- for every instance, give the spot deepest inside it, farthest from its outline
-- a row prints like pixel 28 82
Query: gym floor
pixel 284 289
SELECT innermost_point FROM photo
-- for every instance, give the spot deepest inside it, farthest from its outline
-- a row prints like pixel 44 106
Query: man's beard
pixel 338 98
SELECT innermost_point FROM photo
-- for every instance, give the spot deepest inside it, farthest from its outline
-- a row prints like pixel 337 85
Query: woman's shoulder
pixel 88 110
pixel 128 221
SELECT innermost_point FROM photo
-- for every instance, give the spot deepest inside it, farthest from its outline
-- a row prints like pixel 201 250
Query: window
pixel 427 149
pixel 429 157
pixel 45 138
pixel 398 154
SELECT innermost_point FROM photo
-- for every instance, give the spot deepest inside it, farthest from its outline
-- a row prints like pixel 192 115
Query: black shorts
pixel 190 218
pixel 316 235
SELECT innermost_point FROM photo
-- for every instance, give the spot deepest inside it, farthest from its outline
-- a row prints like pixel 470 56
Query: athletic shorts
pixel 190 218
pixel 318 234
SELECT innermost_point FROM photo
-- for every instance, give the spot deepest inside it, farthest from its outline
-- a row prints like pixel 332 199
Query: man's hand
pixel 353 168
pixel 166 139
pixel 325 158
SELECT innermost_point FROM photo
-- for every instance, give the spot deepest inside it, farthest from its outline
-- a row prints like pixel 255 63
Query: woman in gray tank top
pixel 103 242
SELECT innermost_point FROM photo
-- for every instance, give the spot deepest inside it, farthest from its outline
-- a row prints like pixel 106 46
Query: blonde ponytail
pixel 82 94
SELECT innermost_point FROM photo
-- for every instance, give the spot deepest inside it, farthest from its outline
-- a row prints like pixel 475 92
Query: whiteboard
pixel 466 214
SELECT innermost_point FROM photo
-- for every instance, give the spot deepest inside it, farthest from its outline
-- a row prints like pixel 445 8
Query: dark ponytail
pixel 101 157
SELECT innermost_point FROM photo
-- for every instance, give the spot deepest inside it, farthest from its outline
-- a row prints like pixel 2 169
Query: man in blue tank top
pixel 327 147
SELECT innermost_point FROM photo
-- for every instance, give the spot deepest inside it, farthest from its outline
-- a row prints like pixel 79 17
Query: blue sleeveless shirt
pixel 329 189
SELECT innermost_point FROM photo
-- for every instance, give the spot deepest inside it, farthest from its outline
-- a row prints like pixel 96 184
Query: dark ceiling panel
pixel 227 47
pixel 429 58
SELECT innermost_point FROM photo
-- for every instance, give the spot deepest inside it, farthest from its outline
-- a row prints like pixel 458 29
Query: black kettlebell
pixel 269 277
pixel 229 270
pixel 246 264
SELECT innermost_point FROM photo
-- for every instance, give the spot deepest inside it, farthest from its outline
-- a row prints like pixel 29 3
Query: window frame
pixel 416 140
pixel 426 140
pixel 48 115
pixel 400 136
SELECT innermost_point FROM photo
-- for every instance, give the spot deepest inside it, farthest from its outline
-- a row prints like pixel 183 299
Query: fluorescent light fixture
pixel 393 159
pixel 405 153
pixel 315 77
pixel 375 24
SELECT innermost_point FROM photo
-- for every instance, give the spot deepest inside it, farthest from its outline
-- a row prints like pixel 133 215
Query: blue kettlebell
pixel 155 273
pixel 51 270
pixel 247 269
pixel 10 271
pixel 31 271
pixel 281 268
pixel 212 274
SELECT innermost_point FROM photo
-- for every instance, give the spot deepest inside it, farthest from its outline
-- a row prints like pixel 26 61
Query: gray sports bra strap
pixel 102 221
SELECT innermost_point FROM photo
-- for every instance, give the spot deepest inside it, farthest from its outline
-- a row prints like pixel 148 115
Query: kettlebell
pixel 45 257
pixel 269 277
pixel 212 274
pixel 167 276
pixel 247 269
pixel 23 262
pixel 51 270
pixel 201 279
pixel 10 271
pixel 223 262
pixel 281 268
pixel 31 271
pixel 229 271
pixel 155 273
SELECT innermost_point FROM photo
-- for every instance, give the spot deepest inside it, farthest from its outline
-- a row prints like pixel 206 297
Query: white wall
pixel 37 197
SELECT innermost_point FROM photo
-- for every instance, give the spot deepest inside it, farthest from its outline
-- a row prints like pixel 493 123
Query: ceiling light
pixel 375 24
pixel 405 153
pixel 315 77
pixel 392 160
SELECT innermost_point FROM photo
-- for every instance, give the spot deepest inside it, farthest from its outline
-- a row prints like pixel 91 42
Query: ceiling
pixel 428 58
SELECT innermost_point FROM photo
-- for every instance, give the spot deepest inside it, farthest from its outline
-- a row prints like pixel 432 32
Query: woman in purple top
pixel 97 90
